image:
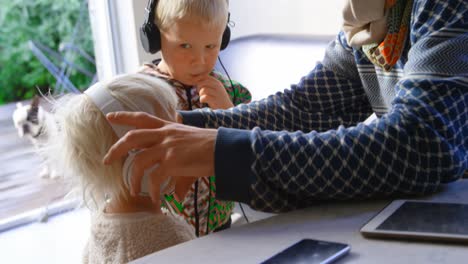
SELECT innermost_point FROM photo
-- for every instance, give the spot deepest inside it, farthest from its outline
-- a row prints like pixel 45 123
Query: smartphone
pixel 310 251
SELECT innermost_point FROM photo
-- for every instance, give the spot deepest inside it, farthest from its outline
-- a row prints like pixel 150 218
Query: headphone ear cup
pixel 145 181
pixel 127 175
pixel 150 38
pixel 226 38
pixel 126 170
pixel 144 39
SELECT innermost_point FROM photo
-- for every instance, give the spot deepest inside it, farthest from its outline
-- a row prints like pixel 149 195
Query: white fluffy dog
pixel 31 121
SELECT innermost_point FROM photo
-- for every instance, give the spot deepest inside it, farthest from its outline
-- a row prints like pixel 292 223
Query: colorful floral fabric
pixel 199 206
pixel 387 53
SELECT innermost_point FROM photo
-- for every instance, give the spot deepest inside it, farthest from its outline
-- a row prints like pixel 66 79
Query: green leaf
pixel 50 23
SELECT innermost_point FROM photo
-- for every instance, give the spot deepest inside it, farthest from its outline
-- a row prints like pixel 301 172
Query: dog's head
pixel 26 118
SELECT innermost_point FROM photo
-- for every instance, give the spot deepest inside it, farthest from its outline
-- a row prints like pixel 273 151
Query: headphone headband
pixel 107 103
pixel 150 36
pixel 149 10
pixel 103 99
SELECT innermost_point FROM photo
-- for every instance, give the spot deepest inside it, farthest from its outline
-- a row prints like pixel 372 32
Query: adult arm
pixel 419 144
pixel 329 96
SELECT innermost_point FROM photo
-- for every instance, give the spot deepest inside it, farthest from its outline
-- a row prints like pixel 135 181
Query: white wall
pixel 116 26
pixel 302 17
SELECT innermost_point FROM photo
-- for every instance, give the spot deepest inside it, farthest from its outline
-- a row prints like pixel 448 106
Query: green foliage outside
pixel 50 22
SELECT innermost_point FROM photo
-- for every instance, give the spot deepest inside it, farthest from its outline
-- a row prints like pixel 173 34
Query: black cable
pixel 188 93
pixel 230 81
pixel 197 219
pixel 245 216
pixel 209 205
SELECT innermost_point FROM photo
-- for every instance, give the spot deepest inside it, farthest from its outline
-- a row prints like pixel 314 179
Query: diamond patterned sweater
pixel 309 143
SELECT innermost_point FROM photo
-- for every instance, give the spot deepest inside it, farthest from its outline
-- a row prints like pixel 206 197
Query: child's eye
pixel 185 46
pixel 211 46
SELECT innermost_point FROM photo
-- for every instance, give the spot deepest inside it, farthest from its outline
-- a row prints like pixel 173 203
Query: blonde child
pixel 123 227
pixel 190 34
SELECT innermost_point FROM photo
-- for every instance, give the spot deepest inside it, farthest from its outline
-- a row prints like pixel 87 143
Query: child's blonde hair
pixel 84 135
pixel 212 12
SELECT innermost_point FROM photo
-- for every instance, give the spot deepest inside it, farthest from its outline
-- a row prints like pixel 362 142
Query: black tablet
pixel 424 220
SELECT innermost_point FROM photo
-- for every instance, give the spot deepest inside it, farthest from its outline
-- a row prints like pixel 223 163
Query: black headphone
pixel 150 35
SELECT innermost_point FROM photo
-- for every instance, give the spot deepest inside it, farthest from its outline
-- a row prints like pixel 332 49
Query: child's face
pixel 189 49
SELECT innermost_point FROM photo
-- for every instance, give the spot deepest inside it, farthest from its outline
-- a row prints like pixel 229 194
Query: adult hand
pixel 180 150
pixel 182 186
pixel 213 93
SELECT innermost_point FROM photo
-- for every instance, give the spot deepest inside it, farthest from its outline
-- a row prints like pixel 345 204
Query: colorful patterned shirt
pixel 419 141
pixel 200 207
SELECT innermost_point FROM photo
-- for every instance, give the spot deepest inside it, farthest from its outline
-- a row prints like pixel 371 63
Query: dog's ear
pixel 35 102
pixel 19 105
pixel 33 112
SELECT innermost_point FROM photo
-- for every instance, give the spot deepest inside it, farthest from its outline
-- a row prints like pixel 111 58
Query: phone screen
pixel 310 251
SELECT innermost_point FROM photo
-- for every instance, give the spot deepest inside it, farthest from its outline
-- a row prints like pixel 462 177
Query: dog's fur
pixel 30 121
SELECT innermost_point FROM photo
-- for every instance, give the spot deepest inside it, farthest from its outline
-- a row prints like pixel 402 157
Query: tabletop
pixel 337 221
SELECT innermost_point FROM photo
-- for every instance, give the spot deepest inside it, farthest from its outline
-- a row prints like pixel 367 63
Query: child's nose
pixel 198 58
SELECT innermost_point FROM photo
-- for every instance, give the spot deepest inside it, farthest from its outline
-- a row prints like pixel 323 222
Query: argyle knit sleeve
pixel 329 96
pixel 419 144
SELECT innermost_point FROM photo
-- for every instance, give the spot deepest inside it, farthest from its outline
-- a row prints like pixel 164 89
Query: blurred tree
pixel 50 22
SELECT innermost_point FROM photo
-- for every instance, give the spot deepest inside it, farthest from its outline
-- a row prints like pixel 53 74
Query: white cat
pixel 30 121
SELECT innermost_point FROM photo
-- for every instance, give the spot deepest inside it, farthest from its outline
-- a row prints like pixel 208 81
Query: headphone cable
pixel 195 195
pixel 230 81
pixel 245 216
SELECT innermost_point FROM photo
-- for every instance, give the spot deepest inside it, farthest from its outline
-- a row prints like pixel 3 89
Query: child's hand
pixel 213 93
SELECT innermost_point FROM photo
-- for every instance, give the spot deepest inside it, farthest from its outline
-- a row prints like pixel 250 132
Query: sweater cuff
pixel 233 161
pixel 192 118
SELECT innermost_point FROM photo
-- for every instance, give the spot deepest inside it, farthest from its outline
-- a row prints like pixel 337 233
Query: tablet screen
pixel 428 217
